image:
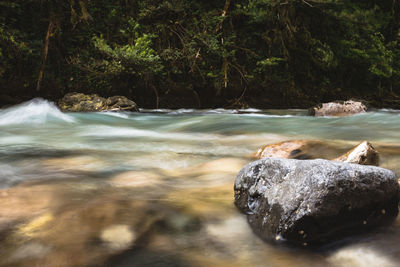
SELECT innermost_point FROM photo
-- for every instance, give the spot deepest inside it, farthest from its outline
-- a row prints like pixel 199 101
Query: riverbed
pixel 155 188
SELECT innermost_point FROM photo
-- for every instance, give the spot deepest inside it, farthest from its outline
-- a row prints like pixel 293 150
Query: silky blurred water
pixel 156 188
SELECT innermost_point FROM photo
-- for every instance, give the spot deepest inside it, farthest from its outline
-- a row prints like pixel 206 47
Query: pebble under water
pixel 156 188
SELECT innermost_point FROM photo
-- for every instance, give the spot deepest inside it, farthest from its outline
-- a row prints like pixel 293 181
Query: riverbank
pixel 194 101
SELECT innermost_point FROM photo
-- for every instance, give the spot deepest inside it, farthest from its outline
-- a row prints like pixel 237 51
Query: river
pixel 156 188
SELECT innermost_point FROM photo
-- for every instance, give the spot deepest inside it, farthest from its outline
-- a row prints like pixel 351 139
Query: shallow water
pixel 156 188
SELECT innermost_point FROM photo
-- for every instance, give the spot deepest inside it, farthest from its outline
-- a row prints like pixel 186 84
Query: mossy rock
pixel 78 102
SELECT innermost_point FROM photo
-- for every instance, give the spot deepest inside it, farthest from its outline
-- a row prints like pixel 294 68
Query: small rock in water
pixel 308 202
pixel 292 149
pixel 120 103
pixel 364 154
pixel 118 237
pixel 338 108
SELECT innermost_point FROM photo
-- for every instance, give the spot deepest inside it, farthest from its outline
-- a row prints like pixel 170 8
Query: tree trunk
pixel 45 52
pixel 156 95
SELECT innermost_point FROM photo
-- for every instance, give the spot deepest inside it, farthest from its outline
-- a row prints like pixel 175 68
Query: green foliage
pixel 261 47
pixel 138 58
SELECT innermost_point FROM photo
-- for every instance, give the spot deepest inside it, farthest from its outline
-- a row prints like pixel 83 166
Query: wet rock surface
pixel 314 201
pixel 78 102
pixel 364 154
pixel 338 108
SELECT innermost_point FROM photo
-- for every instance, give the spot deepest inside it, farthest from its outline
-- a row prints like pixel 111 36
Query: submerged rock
pixel 314 201
pixel 78 102
pixel 118 237
pixel 338 108
pixel 360 256
pixel 364 154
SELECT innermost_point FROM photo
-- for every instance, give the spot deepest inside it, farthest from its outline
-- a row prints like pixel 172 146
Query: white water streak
pixel 36 111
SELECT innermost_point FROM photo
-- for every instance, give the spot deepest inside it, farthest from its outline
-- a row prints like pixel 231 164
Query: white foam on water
pixel 115 114
pixel 36 111
pixel 159 110
pixel 12 140
pixel 182 111
pixel 267 115
pixel 222 111
pixel 250 110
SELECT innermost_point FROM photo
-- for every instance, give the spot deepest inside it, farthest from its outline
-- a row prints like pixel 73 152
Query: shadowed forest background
pixel 190 53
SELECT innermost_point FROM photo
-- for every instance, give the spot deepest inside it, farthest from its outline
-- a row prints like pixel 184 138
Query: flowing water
pixel 156 188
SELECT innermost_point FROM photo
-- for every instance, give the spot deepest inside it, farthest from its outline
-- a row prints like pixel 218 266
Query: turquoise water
pixel 156 188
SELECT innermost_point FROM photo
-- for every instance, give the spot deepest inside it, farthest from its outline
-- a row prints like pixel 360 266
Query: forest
pixel 189 53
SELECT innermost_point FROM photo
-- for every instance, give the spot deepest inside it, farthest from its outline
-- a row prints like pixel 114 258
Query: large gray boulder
pixel 314 201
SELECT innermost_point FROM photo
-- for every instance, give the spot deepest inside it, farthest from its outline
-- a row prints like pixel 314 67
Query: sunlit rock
pixel 286 149
pixel 314 201
pixel 338 108
pixel 296 149
pixel 118 237
pixel 364 154
pixel 117 103
pixel 78 102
